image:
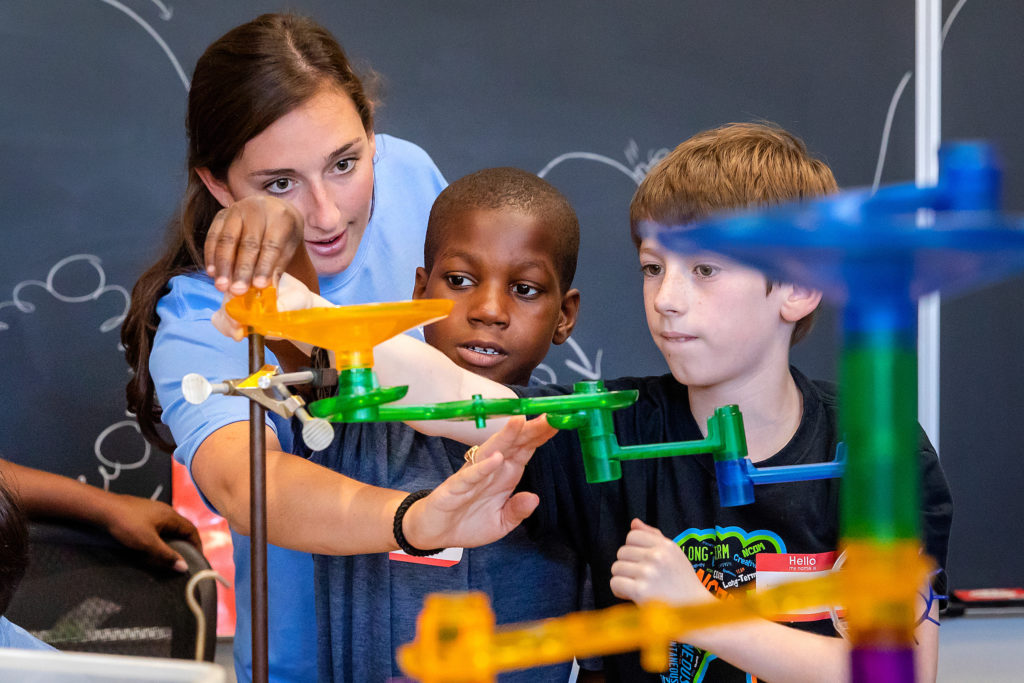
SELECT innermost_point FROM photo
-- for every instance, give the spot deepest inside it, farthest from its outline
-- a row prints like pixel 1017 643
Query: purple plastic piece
pixel 882 665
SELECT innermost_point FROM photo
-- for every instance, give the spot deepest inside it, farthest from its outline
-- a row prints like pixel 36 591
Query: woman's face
pixel 319 158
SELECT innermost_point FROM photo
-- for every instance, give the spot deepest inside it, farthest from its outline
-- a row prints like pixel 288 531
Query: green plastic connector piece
pixel 726 425
pixel 725 440
pixel 602 455
pixel 360 400
pixel 588 410
pixel 596 429
pixel 359 397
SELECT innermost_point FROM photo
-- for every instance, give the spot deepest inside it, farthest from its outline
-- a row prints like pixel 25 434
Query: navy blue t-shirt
pixel 367 605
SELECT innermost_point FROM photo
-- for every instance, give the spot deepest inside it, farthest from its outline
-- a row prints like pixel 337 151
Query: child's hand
pixel 292 295
pixel 252 241
pixel 653 567
pixel 476 505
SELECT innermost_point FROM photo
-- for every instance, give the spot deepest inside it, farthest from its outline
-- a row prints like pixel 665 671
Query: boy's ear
pixel 219 189
pixel 799 302
pixel 419 289
pixel 567 316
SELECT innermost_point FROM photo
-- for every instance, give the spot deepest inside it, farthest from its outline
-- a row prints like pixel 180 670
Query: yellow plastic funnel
pixel 350 331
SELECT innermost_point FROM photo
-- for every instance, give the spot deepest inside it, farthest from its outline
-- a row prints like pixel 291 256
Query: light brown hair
pixel 735 166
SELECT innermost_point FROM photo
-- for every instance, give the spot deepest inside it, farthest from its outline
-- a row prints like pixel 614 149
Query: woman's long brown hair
pixel 250 77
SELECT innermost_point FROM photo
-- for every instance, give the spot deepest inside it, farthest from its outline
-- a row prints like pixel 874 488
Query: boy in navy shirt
pixel 502 244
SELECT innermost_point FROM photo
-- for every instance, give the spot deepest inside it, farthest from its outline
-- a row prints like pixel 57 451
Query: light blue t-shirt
pixel 406 182
pixel 12 635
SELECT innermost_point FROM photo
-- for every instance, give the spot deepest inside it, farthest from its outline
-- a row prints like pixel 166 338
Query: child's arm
pixel 314 509
pixel 402 360
pixel 653 567
pixel 433 378
pixel 138 523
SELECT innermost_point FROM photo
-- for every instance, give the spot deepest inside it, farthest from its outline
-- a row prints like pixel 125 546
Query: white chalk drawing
pixel 165 14
pixel 887 128
pixel 101 288
pixel 951 18
pixel 110 468
pixel 635 171
pixel 584 367
pixel 544 368
pixel 545 374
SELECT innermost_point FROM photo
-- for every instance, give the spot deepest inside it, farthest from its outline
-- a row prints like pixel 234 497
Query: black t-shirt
pixel 787 524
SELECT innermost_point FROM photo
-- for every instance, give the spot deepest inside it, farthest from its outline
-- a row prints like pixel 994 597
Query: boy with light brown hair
pixel 736 166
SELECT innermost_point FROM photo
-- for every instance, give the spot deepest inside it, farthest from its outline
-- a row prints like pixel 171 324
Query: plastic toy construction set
pixel 874 254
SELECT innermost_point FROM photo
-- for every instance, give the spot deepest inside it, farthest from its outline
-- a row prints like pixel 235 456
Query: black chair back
pixel 85 592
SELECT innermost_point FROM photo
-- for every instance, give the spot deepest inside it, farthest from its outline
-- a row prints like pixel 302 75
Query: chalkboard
pixel 587 94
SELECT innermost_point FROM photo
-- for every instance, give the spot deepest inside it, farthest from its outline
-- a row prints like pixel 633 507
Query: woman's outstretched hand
pixel 476 505
pixel 252 242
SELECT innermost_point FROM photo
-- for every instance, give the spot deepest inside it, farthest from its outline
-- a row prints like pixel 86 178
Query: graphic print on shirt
pixel 725 559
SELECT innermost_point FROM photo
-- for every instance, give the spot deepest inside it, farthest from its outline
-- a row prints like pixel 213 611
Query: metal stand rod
pixel 258 520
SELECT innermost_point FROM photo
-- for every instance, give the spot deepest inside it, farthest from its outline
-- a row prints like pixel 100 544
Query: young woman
pixel 275 110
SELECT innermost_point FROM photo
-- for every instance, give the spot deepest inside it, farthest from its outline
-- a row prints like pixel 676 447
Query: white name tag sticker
pixel 448 557
pixel 776 569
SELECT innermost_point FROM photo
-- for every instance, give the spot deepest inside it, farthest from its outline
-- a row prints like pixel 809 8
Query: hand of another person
pixel 252 242
pixel 653 567
pixel 476 505
pixel 141 524
pixel 292 295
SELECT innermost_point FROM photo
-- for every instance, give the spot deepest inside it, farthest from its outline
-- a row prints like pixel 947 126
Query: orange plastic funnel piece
pixel 350 331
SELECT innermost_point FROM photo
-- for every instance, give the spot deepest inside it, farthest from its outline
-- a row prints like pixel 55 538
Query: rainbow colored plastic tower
pixel 875 255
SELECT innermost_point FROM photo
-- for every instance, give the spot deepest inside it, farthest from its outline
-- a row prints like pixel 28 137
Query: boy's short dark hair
pixel 736 166
pixel 13 545
pixel 513 188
